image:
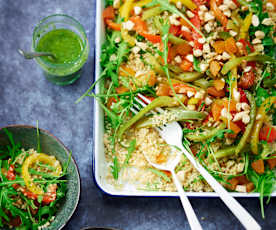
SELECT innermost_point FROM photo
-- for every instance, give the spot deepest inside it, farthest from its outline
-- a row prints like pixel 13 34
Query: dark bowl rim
pixel 67 152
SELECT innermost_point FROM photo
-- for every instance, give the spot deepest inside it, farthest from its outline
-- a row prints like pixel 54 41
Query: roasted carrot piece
pixel 215 68
pixel 112 25
pixel 272 162
pixel 163 90
pixel 258 166
pixel 139 24
pixel 230 46
pixel 231 125
pixel 183 49
pixel 219 47
pixel 242 179
pixel 109 13
pixel 219 84
pixel 186 65
pixel 249 187
pixel 232 104
pixel 216 93
pixel 216 110
pixel 233 183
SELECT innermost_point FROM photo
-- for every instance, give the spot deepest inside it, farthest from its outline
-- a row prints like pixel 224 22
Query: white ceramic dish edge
pixel 99 162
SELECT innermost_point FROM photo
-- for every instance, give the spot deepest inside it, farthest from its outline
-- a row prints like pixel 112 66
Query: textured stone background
pixel 25 96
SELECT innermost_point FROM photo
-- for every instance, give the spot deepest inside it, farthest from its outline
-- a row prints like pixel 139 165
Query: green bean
pixel 268 82
pixel 176 40
pixel 249 127
pixel 235 61
pixel 205 135
pixel 177 114
pixel 189 76
pixel 225 152
pixel 176 69
pixel 158 102
pixel 203 83
pixel 151 12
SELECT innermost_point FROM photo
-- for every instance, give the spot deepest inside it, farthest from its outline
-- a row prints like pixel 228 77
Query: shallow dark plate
pixel 27 136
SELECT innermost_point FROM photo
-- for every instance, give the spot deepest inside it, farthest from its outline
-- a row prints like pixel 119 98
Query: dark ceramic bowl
pixel 27 136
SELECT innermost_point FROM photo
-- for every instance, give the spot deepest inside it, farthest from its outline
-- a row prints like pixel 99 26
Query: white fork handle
pixel 240 212
pixel 190 213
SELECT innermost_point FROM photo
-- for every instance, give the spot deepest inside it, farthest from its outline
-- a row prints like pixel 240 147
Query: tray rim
pixel 98 138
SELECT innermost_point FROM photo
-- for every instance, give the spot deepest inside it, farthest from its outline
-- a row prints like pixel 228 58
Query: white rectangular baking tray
pixel 99 162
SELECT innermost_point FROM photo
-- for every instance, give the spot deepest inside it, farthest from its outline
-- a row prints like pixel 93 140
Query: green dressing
pixel 66 45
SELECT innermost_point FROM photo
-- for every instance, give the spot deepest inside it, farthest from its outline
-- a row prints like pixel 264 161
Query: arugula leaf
pixel 261 95
pixel 115 168
pixel 264 184
pixel 196 64
pixel 130 150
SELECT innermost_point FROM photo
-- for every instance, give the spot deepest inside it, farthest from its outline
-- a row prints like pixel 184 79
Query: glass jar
pixel 61 73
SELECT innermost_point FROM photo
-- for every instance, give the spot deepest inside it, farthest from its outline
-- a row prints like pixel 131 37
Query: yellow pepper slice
pixel 125 9
pixel 124 13
pixel 245 26
pixel 35 158
pixel 188 3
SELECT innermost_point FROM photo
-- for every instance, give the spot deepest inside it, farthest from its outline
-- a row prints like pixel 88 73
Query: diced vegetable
pixel 258 166
pixel 247 79
pixel 109 13
pixel 219 84
pixel 231 125
pixel 219 46
pixel 216 110
pixel 272 162
pixel 230 46
pixel 215 68
pixel 112 25
pixel 163 90
pixel 186 65
pixel 215 93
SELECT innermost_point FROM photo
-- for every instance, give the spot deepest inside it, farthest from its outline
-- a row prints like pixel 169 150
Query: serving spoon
pixel 170 166
pixel 31 55
pixel 172 134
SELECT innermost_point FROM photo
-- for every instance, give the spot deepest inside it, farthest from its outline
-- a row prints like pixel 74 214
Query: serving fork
pixel 172 134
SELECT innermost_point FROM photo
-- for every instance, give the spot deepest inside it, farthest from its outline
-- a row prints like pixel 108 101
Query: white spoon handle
pixel 190 213
pixel 240 212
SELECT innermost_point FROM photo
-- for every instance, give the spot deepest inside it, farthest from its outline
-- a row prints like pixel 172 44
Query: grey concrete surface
pixel 26 96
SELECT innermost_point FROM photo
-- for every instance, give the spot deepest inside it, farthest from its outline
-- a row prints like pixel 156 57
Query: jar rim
pixel 81 28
